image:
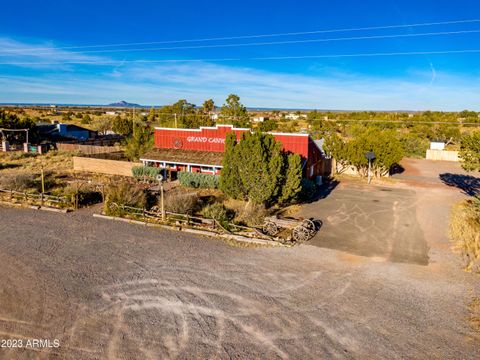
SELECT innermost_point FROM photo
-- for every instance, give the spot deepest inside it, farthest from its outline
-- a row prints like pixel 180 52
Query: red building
pixel 201 150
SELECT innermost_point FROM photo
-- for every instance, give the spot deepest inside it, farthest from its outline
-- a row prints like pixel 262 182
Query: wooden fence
pixel 442 155
pixel 88 149
pixel 209 224
pixel 34 198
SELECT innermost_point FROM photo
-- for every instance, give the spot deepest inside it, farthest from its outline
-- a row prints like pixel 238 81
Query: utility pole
pixel 175 114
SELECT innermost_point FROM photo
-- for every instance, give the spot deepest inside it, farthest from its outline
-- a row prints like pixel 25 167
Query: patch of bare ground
pixel 111 290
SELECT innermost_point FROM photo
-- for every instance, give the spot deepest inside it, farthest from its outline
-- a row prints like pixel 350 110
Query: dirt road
pixel 111 290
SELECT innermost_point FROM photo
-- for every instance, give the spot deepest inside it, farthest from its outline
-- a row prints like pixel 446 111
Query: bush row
pixel 145 172
pixel 197 180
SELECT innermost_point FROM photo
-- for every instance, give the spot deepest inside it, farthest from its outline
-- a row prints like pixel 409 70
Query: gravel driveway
pixel 110 290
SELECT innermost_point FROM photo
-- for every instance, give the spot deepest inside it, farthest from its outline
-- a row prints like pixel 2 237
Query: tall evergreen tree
pixel 208 106
pixel 140 142
pixel 122 125
pixel 234 112
pixel 152 115
pixel 229 180
pixel 255 170
pixel 293 179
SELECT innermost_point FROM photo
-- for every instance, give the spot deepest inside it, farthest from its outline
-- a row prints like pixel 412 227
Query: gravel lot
pixel 111 290
pixel 119 291
pixel 370 221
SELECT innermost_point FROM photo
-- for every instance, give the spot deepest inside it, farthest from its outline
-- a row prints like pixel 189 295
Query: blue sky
pixel 53 52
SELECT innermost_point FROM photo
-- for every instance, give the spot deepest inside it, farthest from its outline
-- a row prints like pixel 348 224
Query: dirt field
pixel 111 290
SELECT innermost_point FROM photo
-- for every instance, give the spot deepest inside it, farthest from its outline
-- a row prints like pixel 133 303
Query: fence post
pixel 103 193
pixel 162 201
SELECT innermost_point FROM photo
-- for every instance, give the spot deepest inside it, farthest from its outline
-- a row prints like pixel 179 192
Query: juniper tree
pixel 253 168
pixel 140 142
pixel 384 143
pixel 292 185
pixel 260 162
pixel 122 125
pixel 470 151
pixel 229 179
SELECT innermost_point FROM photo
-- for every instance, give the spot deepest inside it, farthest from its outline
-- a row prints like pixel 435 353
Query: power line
pixel 466 51
pixel 324 31
pixel 300 57
pixel 287 42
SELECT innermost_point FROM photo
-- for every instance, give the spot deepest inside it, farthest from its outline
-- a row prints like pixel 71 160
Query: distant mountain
pixel 123 104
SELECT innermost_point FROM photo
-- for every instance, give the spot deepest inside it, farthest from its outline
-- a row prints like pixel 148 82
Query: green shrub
pixel 414 145
pixel 217 211
pixel 197 180
pixel 145 172
pixel 123 194
pixel 181 203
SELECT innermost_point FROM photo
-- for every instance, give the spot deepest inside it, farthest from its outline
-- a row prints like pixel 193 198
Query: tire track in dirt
pixel 203 317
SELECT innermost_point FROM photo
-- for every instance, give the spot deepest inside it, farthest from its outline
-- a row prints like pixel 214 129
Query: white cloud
pixel 39 55
pixel 162 83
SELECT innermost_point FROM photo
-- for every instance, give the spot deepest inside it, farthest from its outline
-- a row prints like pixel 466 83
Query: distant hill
pixel 123 104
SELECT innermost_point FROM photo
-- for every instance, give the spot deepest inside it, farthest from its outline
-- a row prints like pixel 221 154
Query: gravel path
pixel 111 290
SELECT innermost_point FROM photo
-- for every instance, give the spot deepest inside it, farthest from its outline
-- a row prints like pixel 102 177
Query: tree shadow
pixel 9 166
pixel 324 190
pixel 470 185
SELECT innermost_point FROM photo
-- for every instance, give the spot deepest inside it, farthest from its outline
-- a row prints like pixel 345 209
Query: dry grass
pixel 17 167
pixel 465 232
pixel 243 244
pixel 291 210
pixel 251 215
pixel 18 162
pixel 181 202
pixel 123 194
pixel 474 318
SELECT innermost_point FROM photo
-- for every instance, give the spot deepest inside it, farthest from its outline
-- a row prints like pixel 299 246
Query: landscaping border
pixel 210 234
